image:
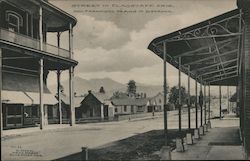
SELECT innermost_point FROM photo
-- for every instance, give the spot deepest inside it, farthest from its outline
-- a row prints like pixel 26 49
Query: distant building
pixel 155 104
pixel 93 106
pixel 129 105
pixel 65 105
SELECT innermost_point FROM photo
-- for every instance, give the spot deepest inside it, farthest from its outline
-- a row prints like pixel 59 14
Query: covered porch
pixel 214 52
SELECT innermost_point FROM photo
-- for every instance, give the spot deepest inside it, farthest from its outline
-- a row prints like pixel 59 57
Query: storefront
pixel 21 101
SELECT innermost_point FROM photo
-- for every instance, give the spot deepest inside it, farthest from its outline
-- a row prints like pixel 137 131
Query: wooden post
pixel 179 94
pixel 205 104
pixel 84 154
pixel 71 79
pixel 196 103
pixel 58 39
pixel 41 27
pixel 59 83
pixel 201 103
pixel 220 101
pixel 59 95
pixel 228 99
pixel 209 96
pixel 1 82
pixel 41 94
pixel 165 91
pixel 189 101
pixel 102 111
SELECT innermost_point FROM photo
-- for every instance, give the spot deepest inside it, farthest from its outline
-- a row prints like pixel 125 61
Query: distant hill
pixel 82 86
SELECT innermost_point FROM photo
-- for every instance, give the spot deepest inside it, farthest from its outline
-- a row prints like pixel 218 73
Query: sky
pixel 114 45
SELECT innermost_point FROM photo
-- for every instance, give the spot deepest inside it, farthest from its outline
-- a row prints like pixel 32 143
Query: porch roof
pixel 209 50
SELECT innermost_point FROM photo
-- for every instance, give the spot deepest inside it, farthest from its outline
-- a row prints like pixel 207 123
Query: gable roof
pixel 101 97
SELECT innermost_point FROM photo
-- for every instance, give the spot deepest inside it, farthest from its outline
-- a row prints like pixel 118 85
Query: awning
pixel 48 99
pixel 27 98
pixel 209 50
pixel 15 97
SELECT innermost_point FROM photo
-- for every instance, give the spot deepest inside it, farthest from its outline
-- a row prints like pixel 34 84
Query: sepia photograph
pixel 124 80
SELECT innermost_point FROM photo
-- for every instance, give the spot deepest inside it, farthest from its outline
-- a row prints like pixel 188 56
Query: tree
pixel 131 87
pixel 118 94
pixel 174 95
pixel 101 90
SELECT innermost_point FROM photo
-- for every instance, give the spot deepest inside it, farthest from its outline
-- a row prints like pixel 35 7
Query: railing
pixel 32 43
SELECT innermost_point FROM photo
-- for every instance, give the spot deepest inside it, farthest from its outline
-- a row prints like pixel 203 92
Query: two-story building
pixel 27 59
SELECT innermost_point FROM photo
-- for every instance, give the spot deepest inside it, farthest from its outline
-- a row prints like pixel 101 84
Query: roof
pixel 159 94
pixel 102 97
pixel 129 101
pixel 56 19
pixel 209 50
pixel 21 82
pixel 15 97
pixel 65 99
pixel 48 99
pixel 233 97
pixel 27 98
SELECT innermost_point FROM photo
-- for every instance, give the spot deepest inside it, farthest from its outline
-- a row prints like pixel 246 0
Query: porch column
pixel 59 83
pixel 209 103
pixel 179 139
pixel 179 84
pixel 41 94
pixel 201 103
pixel 228 99
pixel 196 103
pixel 41 63
pixel 71 79
pixel 41 27
pixel 1 82
pixel 59 95
pixel 165 91
pixel 220 101
pixel 205 104
pixel 244 5
pixel 189 103
pixel 102 111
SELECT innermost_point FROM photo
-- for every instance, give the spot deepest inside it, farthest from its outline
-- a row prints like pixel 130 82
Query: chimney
pixel 89 91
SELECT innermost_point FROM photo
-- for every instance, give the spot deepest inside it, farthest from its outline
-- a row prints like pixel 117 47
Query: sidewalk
pixel 220 143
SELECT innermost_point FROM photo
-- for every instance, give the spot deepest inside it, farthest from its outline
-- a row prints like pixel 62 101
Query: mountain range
pixel 82 86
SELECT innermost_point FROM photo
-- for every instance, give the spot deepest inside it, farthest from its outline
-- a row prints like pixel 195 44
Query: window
pixel 125 108
pixel 140 109
pixel 28 111
pixel 34 111
pixel 159 100
pixel 116 110
pixel 14 20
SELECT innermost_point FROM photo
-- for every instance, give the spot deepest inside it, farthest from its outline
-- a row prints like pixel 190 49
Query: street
pixel 57 143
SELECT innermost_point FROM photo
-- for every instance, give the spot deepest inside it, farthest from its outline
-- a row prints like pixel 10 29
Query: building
pixel 93 106
pixel 27 59
pixel 214 52
pixel 53 114
pixel 155 104
pixel 130 105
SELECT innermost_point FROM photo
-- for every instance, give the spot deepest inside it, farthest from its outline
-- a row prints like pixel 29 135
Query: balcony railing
pixel 32 43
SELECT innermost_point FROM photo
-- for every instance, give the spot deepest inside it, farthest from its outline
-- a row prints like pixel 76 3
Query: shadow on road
pixel 142 146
